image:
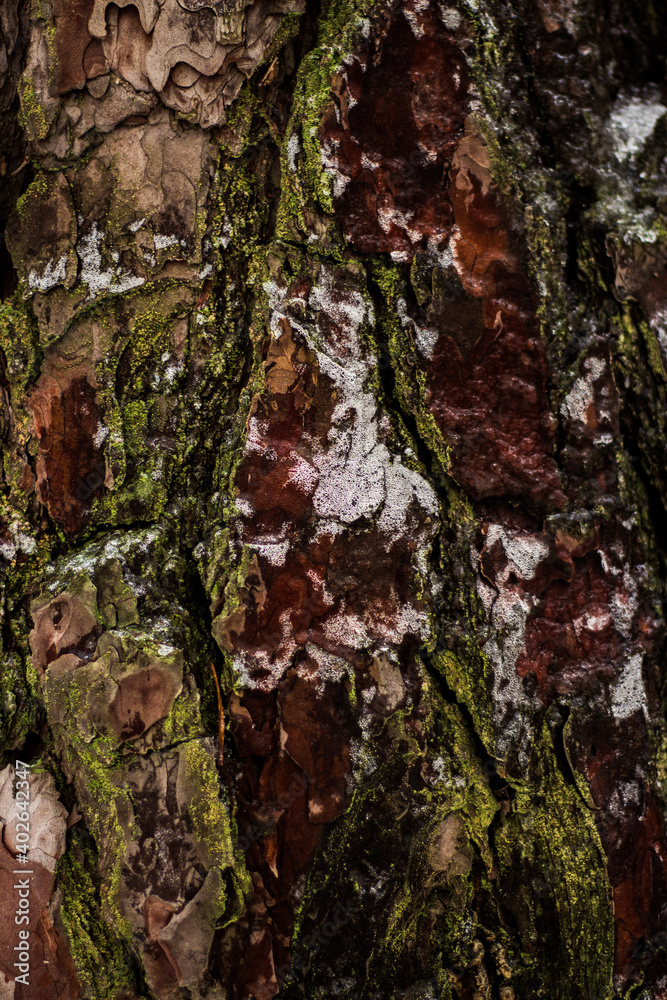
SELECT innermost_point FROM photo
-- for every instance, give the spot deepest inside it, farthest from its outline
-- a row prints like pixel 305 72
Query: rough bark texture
pixel 333 353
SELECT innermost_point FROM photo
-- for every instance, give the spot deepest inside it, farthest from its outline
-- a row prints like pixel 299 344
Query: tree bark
pixel 333 353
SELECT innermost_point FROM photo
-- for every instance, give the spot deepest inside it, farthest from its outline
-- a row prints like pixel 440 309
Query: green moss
pixel 19 706
pixel 210 820
pixel 244 108
pixel 151 333
pixel 32 116
pixel 410 378
pixel 549 842
pixel 423 905
pixel 37 190
pixel 546 235
pixel 339 27
pixel 239 580
pixel 184 722
pixel 19 343
pixel 98 780
pixel 646 394
pixel 467 679
pixel 102 963
pixel 467 670
pixel 91 759
pixel 95 917
pixel 145 476
pixel 19 686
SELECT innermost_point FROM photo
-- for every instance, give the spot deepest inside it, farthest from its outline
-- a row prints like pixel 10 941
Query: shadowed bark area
pixel 333 378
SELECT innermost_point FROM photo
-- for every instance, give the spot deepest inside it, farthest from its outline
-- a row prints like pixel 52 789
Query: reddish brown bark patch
pixel 71 40
pixel 581 588
pixel 491 403
pixel 331 579
pixel 488 393
pixel 391 133
pixel 315 739
pixel 53 973
pixel 416 182
pixel 307 575
pixel 298 788
pixel 571 641
pixel 70 467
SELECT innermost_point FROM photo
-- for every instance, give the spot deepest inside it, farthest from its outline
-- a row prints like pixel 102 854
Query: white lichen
pixel 631 123
pixel 628 695
pixel 101 434
pixel 7 550
pixel 115 280
pixel 275 552
pixel 53 274
pixel 162 241
pixel 450 17
pixel 507 611
pixel 293 150
pixel 624 604
pixel 524 551
pixel 581 397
